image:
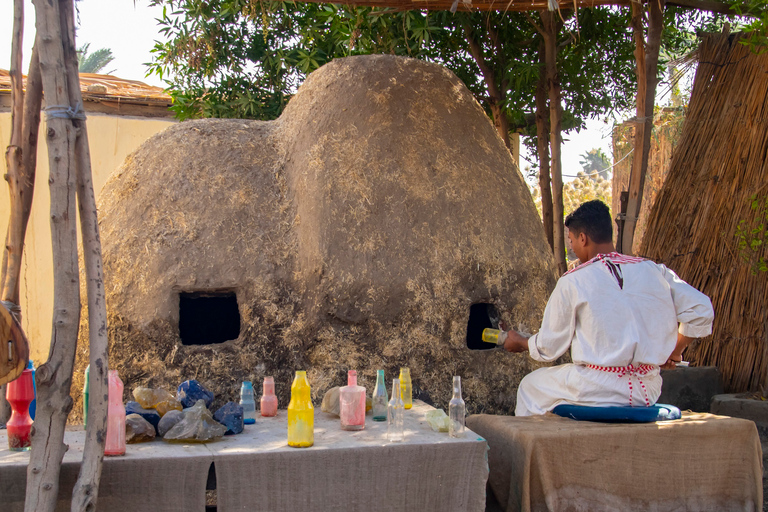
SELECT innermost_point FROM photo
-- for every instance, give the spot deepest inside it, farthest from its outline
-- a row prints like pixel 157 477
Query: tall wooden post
pixel 647 55
pixel 54 378
pixel 86 490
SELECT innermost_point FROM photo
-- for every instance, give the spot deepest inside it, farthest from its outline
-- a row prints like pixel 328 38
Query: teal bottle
pixel 380 398
pixel 85 396
pixel 33 405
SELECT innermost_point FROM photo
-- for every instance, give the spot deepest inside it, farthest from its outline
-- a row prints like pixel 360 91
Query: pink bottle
pixel 352 402
pixel 115 417
pixel 268 398
pixel 19 394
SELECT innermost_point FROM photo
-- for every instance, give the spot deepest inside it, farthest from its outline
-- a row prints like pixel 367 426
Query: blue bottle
pixel 248 403
pixel 33 405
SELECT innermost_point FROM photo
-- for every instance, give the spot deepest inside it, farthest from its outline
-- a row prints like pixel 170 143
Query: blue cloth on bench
pixel 618 414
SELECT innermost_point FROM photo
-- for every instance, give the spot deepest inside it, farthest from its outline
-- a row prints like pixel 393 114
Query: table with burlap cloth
pixel 701 462
pixel 154 476
pixel 428 471
pixel 258 471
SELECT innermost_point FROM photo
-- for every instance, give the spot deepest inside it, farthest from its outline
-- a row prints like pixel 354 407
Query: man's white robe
pixel 612 311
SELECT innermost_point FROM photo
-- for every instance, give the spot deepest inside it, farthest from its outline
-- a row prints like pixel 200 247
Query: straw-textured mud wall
pixel 356 231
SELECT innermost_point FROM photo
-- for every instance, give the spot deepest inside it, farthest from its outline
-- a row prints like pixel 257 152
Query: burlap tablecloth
pixel 155 476
pixel 348 471
pixel 257 470
pixel 701 462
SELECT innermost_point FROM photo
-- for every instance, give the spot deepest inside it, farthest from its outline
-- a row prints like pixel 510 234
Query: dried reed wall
pixel 720 164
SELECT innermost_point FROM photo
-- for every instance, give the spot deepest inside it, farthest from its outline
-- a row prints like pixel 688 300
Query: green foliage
pixel 751 235
pixel 245 58
pixel 94 62
pixel 595 164
pixel 757 26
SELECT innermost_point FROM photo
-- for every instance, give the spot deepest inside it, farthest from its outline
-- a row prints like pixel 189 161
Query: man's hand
pixel 677 355
pixel 515 342
pixel 671 364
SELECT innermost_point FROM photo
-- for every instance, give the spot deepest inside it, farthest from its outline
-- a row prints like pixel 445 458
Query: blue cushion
pixel 618 414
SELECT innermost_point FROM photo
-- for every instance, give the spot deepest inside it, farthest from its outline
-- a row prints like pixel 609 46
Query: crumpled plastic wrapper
pixel 198 425
pixel 331 403
pixel 438 420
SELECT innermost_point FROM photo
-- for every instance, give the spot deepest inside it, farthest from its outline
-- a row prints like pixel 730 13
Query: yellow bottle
pixel 495 336
pixel 301 414
pixel 406 392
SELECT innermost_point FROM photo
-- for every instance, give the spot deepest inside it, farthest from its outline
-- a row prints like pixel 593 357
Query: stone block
pixel 741 406
pixel 690 388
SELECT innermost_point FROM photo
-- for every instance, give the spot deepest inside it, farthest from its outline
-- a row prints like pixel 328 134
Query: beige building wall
pixel 111 139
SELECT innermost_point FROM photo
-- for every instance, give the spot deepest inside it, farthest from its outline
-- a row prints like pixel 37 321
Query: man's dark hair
pixel 593 219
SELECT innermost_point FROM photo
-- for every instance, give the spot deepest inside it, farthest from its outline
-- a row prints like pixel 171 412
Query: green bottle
pixel 85 396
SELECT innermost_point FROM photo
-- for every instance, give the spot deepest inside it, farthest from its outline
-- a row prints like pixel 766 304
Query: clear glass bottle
pixel 352 404
pixel 380 398
pixel 115 444
pixel 406 390
pixel 301 414
pixel 248 403
pixel 395 415
pixel 268 402
pixel 456 410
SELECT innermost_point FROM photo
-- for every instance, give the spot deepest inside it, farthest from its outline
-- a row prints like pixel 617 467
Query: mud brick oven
pixel 368 227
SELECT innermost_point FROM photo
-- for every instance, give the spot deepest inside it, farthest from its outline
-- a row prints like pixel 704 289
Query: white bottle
pixel 456 411
pixel 395 415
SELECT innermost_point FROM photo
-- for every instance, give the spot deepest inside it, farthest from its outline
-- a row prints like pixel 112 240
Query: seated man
pixel 619 314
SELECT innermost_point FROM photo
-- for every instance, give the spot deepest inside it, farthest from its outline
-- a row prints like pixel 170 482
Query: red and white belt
pixel 630 371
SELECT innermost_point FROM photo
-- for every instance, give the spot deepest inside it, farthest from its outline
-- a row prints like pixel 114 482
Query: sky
pixel 129 29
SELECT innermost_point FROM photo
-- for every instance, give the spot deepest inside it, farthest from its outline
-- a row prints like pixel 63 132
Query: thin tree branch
pixel 86 491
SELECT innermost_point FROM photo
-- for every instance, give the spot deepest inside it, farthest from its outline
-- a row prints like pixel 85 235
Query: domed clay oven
pixel 356 231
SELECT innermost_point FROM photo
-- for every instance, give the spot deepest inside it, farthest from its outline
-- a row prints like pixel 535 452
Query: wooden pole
pixel 542 143
pixel 550 29
pixel 14 246
pixel 54 378
pixel 14 238
pixel 647 78
pixel 86 490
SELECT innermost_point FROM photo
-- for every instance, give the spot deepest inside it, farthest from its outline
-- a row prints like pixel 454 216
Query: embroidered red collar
pixel 611 260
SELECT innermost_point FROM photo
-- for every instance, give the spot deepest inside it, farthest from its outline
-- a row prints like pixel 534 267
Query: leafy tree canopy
pixel 595 164
pixel 244 58
pixel 94 62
